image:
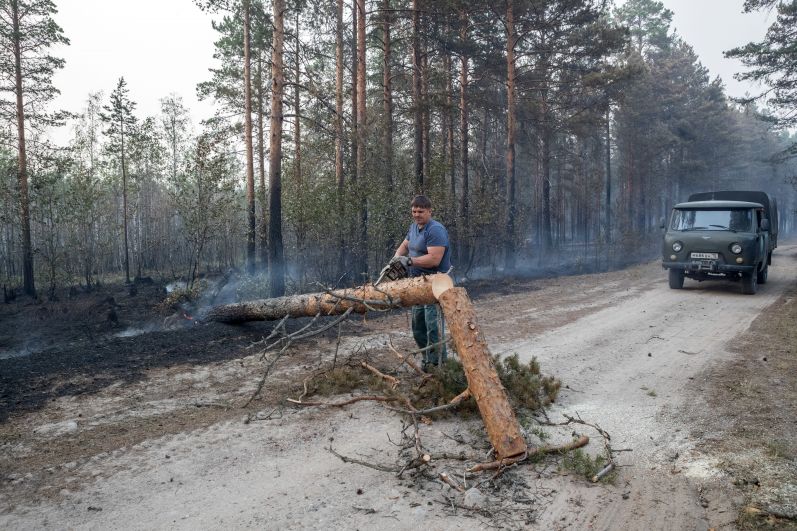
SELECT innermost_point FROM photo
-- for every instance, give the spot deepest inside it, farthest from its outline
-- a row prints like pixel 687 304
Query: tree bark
pixel 339 139
pixel 426 116
pixel 276 258
pixel 360 108
pixel 416 97
pixel 608 206
pixel 297 166
pixel 22 163
pixel 339 179
pixel 511 41
pixel 448 121
pixel 261 166
pixel 483 381
pixel 387 95
pixel 401 293
pixel 464 210
pixel 124 197
pixel 361 249
pixel 250 169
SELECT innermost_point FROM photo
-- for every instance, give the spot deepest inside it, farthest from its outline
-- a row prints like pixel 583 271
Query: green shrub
pixel 524 384
pixel 448 382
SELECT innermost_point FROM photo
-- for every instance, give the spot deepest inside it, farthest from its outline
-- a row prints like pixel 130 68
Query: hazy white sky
pixel 714 26
pixel 159 46
pixel 165 46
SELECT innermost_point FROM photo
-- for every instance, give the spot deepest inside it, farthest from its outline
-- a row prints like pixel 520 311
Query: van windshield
pixel 737 220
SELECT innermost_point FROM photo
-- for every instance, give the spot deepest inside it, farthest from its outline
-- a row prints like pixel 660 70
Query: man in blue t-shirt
pixel 425 250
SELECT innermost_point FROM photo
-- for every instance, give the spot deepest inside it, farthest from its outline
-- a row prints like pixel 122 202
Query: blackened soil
pixel 70 347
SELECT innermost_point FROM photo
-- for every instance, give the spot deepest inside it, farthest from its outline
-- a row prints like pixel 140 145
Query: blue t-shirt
pixel 433 234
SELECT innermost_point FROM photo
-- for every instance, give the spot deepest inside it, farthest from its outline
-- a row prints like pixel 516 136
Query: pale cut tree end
pixel 441 283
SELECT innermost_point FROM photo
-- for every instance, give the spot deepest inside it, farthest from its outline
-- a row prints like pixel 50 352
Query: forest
pixel 542 130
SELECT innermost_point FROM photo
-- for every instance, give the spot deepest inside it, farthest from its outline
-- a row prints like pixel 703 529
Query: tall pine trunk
pixel 608 205
pixel 547 237
pixel 387 108
pixel 426 112
pixel 464 207
pixel 387 96
pixel 511 41
pixel 124 200
pixel 416 97
pixel 261 166
pixel 22 162
pixel 361 253
pixel 250 170
pixel 276 257
pixel 297 165
pixel 448 126
pixel 339 138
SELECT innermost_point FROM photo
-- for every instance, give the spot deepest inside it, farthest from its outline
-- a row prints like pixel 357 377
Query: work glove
pixel 405 261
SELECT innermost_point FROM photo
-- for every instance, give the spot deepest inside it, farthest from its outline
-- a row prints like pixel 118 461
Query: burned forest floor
pixel 120 411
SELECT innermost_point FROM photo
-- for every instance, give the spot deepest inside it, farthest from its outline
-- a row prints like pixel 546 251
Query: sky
pixel 714 26
pixel 159 46
pixel 166 46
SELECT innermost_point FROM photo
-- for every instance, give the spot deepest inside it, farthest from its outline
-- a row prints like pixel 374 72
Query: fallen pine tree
pixel 484 384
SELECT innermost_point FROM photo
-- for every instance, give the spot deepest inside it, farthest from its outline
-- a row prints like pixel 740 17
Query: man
pixel 425 251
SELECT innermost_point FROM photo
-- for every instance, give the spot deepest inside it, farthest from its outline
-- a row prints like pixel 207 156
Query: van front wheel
pixel 676 278
pixel 750 283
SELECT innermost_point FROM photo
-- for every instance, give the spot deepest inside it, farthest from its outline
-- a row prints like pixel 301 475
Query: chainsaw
pixel 394 270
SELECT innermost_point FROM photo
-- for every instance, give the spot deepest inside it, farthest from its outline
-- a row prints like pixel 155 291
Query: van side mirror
pixel 765 224
pixel 661 223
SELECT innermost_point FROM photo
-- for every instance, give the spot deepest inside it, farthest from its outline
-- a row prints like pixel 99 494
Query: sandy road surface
pixel 629 350
pixel 632 368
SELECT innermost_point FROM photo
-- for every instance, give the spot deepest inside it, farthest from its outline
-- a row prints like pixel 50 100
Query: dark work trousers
pixel 425 331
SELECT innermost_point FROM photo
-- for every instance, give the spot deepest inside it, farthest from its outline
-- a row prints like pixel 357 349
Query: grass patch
pixel 581 463
pixel 778 449
pixel 342 380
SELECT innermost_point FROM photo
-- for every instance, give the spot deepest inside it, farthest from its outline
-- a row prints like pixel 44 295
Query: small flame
pixel 188 316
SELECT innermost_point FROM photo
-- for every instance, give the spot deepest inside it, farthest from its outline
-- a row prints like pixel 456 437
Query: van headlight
pixel 736 248
pixel 677 246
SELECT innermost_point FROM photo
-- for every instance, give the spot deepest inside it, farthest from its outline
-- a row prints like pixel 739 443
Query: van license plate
pixel 710 256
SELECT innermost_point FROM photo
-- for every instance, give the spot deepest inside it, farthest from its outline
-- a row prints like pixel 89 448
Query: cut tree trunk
pixel 401 293
pixel 483 381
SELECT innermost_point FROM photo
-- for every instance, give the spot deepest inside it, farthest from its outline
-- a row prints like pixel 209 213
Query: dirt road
pixel 170 448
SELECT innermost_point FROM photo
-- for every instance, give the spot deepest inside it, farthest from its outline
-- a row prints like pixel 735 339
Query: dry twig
pixel 448 480
pixel 578 443
pixel 288 339
pixel 375 398
pixel 394 382
pixel 346 459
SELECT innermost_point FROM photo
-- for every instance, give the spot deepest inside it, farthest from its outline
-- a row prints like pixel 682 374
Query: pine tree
pixel 120 120
pixel 773 61
pixel 27 31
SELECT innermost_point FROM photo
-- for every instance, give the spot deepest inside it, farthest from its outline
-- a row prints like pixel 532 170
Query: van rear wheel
pixel 676 277
pixel 763 274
